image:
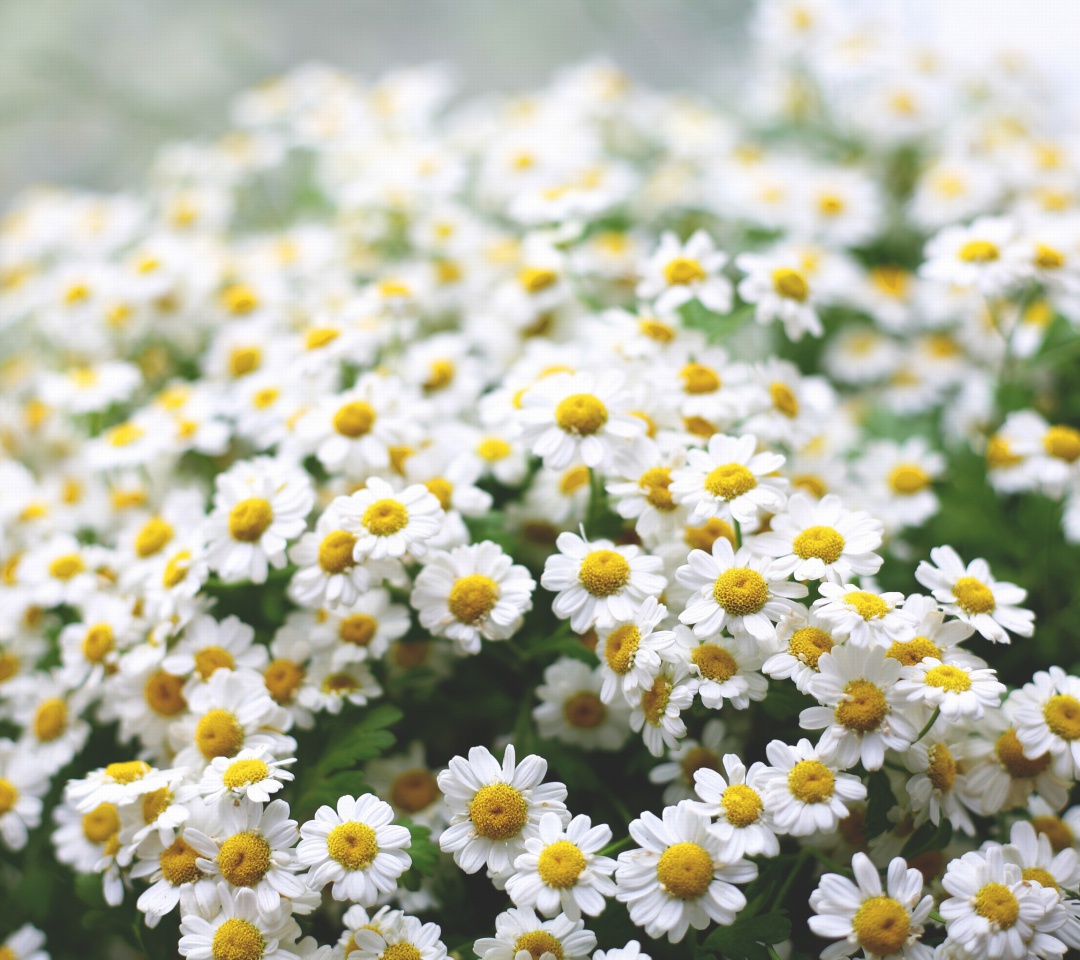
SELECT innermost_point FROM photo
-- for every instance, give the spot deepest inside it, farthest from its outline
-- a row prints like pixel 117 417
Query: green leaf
pixel 928 837
pixel 784 701
pixel 424 853
pixel 880 801
pixel 744 939
pixel 365 741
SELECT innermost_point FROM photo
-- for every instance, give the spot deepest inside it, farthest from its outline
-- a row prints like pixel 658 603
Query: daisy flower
pixel 25 944
pixel 803 637
pixel 91 648
pixel 209 645
pixel 22 785
pixel 388 524
pixel 862 617
pixel 934 636
pixel 357 921
pixel 259 505
pixel 725 669
pixel 53 730
pixel 253 774
pixel 805 794
pixel 1046 713
pixel 118 783
pixel 561 870
pixel 861 915
pixel 688 757
pixel 361 631
pixel 972 594
pixel 407 783
pixel 519 931
pixel 778 284
pixel 975 256
pixel 356 847
pixel 578 416
pixel 958 690
pixel 572 708
pixel 631 650
pixel 658 708
pixel 472 592
pixel 400 937
pixel 679 272
pixel 729 480
pixel 679 876
pixel 736 804
pixel 240 930
pixel 647 498
pixel 632 951
pixel 732 591
pixel 820 540
pixel 329 687
pixel 328 575
pixel 598 583
pixel 939 785
pixel 88 843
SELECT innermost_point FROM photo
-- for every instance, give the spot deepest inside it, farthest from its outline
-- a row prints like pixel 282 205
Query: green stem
pixel 773 955
pixel 937 918
pixel 828 861
pixel 596 500
pixel 929 723
pixel 737 527
pixel 791 877
pixel 616 845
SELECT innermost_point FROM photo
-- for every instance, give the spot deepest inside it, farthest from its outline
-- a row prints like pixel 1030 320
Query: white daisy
pixel 360 631
pixel 631 650
pixel 119 783
pixel 939 785
pixel 22 785
pixel 725 669
pixel 388 524
pixel 679 272
pixel 88 843
pixel 632 951
pixel 520 932
pixel 241 930
pixel 407 783
pixel 691 755
pixel 958 690
pixel 934 636
pixel 658 708
pixel 573 710
pixel 803 637
pixel 862 617
pixel 208 645
pixel 1046 713
pixel 400 936
pixel 253 774
pixel 1059 870
pixel 736 803
pixel 975 256
pixel 25 944
pixel 779 286
pixel 329 686
pixel 805 794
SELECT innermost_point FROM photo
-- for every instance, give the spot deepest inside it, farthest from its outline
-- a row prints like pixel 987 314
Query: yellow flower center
pixel 604 572
pixel 783 399
pixel 239 298
pixel 538 942
pixel 1048 258
pixel 384 518
pixel 125 434
pixel 997 903
pixel 98 643
pixel 250 519
pixel 164 694
pixel 824 543
pixel 178 863
pixel 742 805
pixel 621 646
pixel 441 489
pixel 68 566
pixel 440 375
pixel 682 271
pixel 498 811
pixel 741 591
pixel 243 772
pixel 560 864
pixel 703 538
pixel 473 597
pixel 101 824
pixel 1039 875
pixel 714 662
pixel 911 652
pixel 414 790
pixel 282 679
pixel 699 379
pixel 1063 443
pixel 973 596
pixel 655 330
pixel 656 483
pixel 245 360
pixel 493 449
pixel 978 251
pixel 810 781
pixel 1062 714
pixel 865 707
pixel 9 795
pixel 999 453
pixel 354 420
pixel 730 481
pixel 128 771
pixel 176 569
pixel 400 951
pixel 353 845
pixel 581 413
pixel 340 683
pixel 869 606
pixel 1010 752
pixel 808 644
pixel 790 284
pixel 584 710
pixel 153 536
pixel 237 939
pixel 535 279
pixel 941 770
pixel 574 479
pixel 685 870
pixel 881 925
pixel 319 337
pixel 155 803
pixel 50 720
pixel 336 551
pixel 210 659
pixel 908 478
pixel 9 666
pixel 698 758
pixel 947 677
pixel 358 629
pixel 219 734
pixel 1056 831
pixel 244 859
pixel 654 701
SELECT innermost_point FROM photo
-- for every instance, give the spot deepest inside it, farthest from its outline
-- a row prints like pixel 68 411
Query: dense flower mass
pixel 660 476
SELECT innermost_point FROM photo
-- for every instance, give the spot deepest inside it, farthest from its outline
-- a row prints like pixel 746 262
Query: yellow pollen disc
pixel 714 662
pixel 250 519
pixel 9 666
pixel 584 710
pixel 650 423
pixel 239 298
pixel 560 864
pixel 581 414
pixel 604 572
pixel 210 659
pixel 536 279
pixel 98 643
pixel 824 543
pixel 947 677
pixel 810 483
pixel 891 281
pixel 243 772
pixel 155 803
pixel 50 720
pixel 164 693
pixel 340 683
pixel 682 271
pixel 441 489
pixel 881 925
pixel 997 903
pixel 265 397
pixel 1010 752
pixel 574 479
pixel 810 781
pixel 219 734
pixel 414 790
pixel 685 870
pixel 128 771
pixel 865 708
pixel 178 863
pixel 808 644
pixel 1040 876
pixel 655 330
pixel 741 591
pixel 401 951
pixel 237 939
pixel 1000 454
pixel 656 483
pixel 282 679
pixel 1047 258
pixel 493 449
pixel 440 376
pixel 125 434
pixel 698 758
pixel 973 596
pixel 176 569
pixel 654 701
pixel 498 811
pixel 941 770
pixel 68 566
pixel 908 478
pixel 1062 714
pixel 9 795
pixel 790 284
pixel 358 629
pixel 244 859
pixel 538 942
pixel 1056 831
pixel 730 481
pixel 473 597
pixel 152 537
pixel 336 551
pixel 699 426
pixel 1063 443
pixel 621 646
pixel 394 288
pixel 978 251
pixel 869 606
pixel 830 204
pixel 742 805
pixel 352 845
pixel 320 337
pixel 354 419
pixel 101 823
pixel 245 360
pixel 703 538
pixel 910 652
pixel 783 399
pixel 385 518
pixel 698 379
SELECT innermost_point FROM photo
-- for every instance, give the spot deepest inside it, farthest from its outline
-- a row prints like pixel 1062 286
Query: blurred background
pixel 89 88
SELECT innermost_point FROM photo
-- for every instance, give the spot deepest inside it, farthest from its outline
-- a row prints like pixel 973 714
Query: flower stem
pixel 929 723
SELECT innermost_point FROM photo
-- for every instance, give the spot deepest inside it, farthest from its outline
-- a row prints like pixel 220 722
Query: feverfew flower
pixel 657 708
pixel 778 284
pixel 520 931
pixel 725 669
pixel 975 256
pixel 805 794
pixel 958 690
pixel 388 524
pixel 1046 713
pixel 631 650
pixel 572 708
pixel 22 785
pixel 803 637
pixel 253 774
pixel 240 929
pixel 736 804
pixel 679 272
pixel 863 617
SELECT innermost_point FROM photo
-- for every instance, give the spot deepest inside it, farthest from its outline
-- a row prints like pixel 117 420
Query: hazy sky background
pixel 88 88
